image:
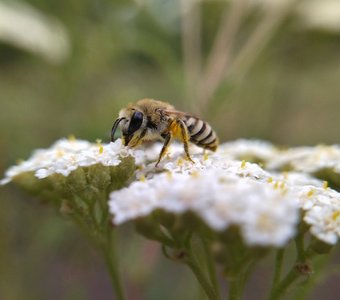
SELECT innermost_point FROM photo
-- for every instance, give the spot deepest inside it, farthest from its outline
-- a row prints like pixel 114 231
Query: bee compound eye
pixel 135 122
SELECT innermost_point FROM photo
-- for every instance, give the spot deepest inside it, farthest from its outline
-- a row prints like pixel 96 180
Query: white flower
pixel 320 204
pixel 217 187
pixel 66 155
pixel 296 180
pixel 321 207
pixel 325 222
pixel 140 202
pixel 308 159
pixel 271 222
pixel 310 196
pixel 176 162
pixel 220 197
pixel 241 149
pixel 145 155
pixel 224 191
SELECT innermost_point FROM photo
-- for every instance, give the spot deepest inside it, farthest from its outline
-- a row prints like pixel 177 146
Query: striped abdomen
pixel 201 133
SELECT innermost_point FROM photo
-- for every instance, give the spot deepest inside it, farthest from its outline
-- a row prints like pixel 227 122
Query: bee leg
pixel 165 147
pixel 185 138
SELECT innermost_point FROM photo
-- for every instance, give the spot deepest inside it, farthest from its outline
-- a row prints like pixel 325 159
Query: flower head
pixel 223 191
pixel 222 188
pixel 66 155
pixel 220 197
pixel 325 222
pixel 308 159
pixel 251 150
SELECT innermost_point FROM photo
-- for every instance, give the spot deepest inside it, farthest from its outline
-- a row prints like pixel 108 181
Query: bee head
pixel 131 128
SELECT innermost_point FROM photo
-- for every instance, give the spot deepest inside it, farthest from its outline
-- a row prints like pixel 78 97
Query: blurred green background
pixel 253 69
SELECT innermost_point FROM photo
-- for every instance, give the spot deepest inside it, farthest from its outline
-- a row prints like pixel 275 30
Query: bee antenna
pixel 114 128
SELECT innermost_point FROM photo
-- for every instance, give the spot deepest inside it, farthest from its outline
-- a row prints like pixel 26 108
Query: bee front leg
pixel 165 147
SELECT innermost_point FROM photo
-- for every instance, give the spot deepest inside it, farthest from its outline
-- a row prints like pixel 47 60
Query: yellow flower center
pixel 325 185
pixel 71 137
pixel 243 164
pixel 205 156
pixel 310 193
pixel 335 215
pixel 180 162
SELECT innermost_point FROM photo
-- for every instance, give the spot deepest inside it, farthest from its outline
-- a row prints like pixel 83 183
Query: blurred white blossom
pixel 255 149
pixel 25 27
pixel 308 159
pixel 310 14
pixel 320 14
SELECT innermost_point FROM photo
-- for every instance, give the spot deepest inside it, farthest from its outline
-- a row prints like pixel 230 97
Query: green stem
pixel 314 280
pixel 193 262
pixel 234 289
pixel 211 267
pixel 302 255
pixel 207 287
pixel 109 251
pixel 239 278
pixel 278 265
pixel 240 270
pixel 280 290
pixel 246 275
pixel 300 248
pixel 278 269
pixel 105 218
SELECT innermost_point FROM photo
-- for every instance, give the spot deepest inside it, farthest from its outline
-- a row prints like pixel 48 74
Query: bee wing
pixel 177 113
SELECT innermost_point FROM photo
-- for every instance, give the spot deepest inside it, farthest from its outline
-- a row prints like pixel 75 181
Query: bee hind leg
pixel 185 138
pixel 165 147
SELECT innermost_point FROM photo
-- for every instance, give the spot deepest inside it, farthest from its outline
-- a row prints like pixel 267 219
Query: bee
pixel 149 120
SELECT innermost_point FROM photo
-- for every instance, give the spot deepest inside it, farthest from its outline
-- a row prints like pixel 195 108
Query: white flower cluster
pixel 220 187
pixel 66 155
pixel 265 215
pixel 322 212
pixel 256 149
pixel 224 191
pixel 308 159
pixel 229 155
pixel 301 159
